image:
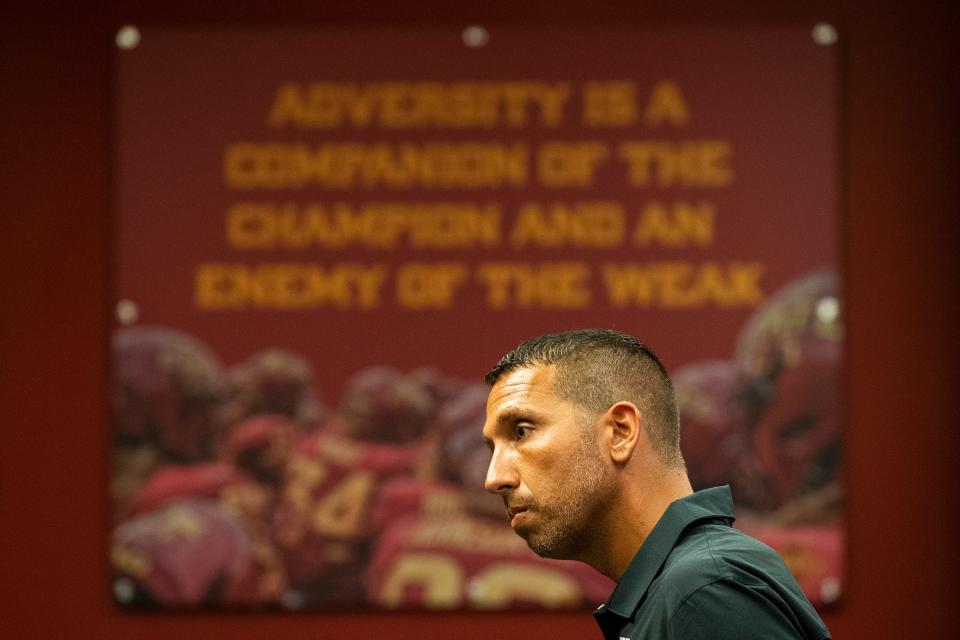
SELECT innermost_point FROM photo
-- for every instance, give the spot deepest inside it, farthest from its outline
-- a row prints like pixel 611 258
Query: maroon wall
pixel 900 233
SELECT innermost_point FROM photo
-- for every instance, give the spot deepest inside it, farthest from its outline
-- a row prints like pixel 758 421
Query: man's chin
pixel 544 546
pixel 533 541
pixel 544 542
pixel 524 532
pixel 546 551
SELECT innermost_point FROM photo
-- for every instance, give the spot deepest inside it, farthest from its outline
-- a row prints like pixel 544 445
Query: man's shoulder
pixel 717 572
pixel 710 552
pixel 715 553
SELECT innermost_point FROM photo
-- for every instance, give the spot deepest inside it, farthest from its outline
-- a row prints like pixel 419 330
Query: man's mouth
pixel 515 514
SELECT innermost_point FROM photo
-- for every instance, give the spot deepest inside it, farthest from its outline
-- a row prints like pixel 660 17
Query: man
pixel 584 432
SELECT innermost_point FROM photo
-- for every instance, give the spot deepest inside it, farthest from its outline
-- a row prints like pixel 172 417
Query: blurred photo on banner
pixel 324 239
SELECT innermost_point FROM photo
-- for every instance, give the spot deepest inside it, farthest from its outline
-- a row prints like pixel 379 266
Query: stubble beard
pixel 568 528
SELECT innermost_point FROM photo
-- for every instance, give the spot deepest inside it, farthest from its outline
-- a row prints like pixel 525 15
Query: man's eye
pixel 521 431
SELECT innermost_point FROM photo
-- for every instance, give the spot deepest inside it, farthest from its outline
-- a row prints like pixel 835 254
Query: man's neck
pixel 643 503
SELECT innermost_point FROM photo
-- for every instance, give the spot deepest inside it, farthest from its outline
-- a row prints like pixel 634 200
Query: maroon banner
pixel 325 238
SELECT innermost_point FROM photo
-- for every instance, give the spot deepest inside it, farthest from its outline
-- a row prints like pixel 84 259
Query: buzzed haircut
pixel 595 369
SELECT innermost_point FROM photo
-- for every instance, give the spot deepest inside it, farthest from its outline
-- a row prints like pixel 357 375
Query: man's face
pixel 546 464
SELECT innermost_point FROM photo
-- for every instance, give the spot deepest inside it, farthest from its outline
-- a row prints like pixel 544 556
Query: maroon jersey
pixel 459 560
pixel 190 552
pixel 173 482
pixel 404 496
pixel 250 502
pixel 322 522
pixel 261 446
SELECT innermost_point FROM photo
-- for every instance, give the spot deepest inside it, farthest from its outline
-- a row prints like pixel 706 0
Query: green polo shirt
pixel 695 576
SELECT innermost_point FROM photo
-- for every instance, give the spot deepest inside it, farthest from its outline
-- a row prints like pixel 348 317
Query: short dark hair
pixel 595 369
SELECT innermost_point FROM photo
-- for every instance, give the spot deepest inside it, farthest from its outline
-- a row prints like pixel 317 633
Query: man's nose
pixel 502 475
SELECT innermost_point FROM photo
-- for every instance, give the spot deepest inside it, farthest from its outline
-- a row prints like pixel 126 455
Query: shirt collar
pixel 703 505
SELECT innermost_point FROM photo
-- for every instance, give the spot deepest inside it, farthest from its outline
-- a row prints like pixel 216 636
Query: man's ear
pixel 625 424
